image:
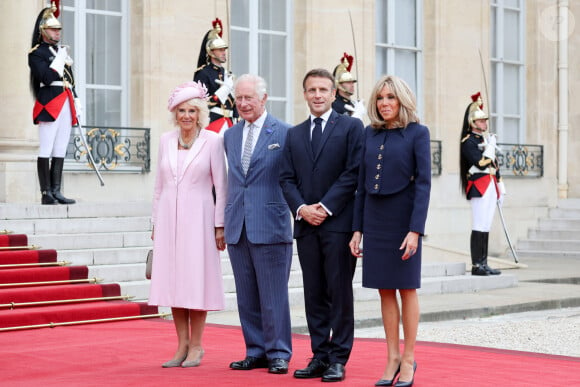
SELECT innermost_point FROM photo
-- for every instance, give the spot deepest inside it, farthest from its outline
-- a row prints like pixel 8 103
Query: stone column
pixel 18 135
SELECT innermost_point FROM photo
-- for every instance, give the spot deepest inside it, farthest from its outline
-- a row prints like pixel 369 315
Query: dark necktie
pixel 316 134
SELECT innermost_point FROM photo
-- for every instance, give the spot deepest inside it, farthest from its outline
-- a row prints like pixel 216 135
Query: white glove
pixel 59 60
pixel 226 88
pixel 359 109
pixel 489 151
pixel 78 107
pixel 502 193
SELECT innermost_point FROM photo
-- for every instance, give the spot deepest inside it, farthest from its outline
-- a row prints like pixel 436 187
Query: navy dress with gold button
pixel 392 199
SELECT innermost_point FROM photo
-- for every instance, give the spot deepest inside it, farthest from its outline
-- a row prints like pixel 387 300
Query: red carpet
pixel 27 256
pixel 13 240
pixel 33 294
pixel 131 353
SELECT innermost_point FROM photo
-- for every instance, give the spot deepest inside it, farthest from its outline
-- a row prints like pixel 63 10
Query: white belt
pixel 488 171
pixel 56 83
pixel 222 112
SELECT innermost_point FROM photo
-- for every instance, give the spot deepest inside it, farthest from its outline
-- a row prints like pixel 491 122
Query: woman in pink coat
pixel 188 223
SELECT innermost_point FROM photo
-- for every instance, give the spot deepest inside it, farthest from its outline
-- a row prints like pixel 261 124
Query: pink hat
pixel 185 92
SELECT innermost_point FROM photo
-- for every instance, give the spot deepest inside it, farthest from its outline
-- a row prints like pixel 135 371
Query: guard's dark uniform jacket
pixel 218 112
pixel 339 105
pixel 481 170
pixel 51 90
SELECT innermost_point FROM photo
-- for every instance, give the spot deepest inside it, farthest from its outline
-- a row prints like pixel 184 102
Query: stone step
pixel 79 210
pixel 108 256
pixel 550 245
pixel 79 225
pixel 91 241
pixel 434 285
pixel 113 240
pixel 553 234
pixel 548 253
pixel 564 213
pixel 569 203
pixel 559 224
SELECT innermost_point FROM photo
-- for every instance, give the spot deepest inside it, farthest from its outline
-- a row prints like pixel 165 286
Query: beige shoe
pixel 197 361
pixel 174 363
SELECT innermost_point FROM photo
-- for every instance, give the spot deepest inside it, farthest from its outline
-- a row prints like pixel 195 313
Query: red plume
pixel 349 59
pixel 474 98
pixel 218 22
pixel 57 4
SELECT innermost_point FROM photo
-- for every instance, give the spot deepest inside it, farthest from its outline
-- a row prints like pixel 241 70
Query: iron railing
pixel 436 167
pixel 122 149
pixel 521 160
pixel 116 149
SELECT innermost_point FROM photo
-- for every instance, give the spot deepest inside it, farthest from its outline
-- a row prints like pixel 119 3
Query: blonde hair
pixel 203 115
pixel 405 96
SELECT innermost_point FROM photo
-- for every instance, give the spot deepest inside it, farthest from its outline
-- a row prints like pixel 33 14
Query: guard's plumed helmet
pixel 211 41
pixel 214 37
pixel 49 17
pixel 342 72
pixel 476 110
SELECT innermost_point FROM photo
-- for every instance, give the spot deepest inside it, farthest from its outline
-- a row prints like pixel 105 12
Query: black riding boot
pixel 44 180
pixel 485 244
pixel 477 239
pixel 56 178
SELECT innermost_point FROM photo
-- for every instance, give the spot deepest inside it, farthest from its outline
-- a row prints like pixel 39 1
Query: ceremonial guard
pixel 343 104
pixel 480 181
pixel 52 83
pixel 218 80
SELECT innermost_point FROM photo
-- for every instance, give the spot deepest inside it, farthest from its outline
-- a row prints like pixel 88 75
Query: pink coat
pixel 186 264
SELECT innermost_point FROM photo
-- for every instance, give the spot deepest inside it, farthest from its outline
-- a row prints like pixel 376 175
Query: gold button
pixel 380 157
pixel 382 147
pixel 377 176
pixel 376 186
pixel 378 166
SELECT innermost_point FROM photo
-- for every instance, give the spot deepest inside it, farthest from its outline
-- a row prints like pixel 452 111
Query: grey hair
pixel 258 81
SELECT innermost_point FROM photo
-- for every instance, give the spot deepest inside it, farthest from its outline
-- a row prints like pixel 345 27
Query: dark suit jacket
pixel 405 159
pixel 329 177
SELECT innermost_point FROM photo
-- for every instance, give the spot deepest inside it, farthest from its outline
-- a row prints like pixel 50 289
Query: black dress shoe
pixel 490 270
pixel 334 373
pixel 479 270
pixel 315 369
pixel 407 384
pixel 249 363
pixel 278 366
pixel 389 382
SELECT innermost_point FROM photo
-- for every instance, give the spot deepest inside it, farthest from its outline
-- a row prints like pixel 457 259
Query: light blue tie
pixel 247 155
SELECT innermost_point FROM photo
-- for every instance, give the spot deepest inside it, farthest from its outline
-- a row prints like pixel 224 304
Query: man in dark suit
pixel 258 229
pixel 319 179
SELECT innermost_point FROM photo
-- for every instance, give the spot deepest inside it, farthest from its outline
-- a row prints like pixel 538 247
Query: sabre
pixel 86 145
pixel 500 211
pixel 505 230
pixel 355 54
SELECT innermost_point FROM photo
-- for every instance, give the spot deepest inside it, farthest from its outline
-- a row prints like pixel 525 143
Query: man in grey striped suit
pixel 258 229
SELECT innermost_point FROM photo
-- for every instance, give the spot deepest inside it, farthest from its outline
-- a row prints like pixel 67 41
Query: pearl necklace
pixel 188 145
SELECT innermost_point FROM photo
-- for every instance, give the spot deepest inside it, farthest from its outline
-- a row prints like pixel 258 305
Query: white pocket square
pixel 273 146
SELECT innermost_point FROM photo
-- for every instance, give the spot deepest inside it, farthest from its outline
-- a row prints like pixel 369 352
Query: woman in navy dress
pixel 390 211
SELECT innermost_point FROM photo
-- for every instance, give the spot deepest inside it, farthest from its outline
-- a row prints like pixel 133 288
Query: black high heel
pixel 407 384
pixel 389 382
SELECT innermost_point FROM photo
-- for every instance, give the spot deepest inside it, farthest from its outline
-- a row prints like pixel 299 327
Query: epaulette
pixel 466 137
pixel 200 67
pixel 33 48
